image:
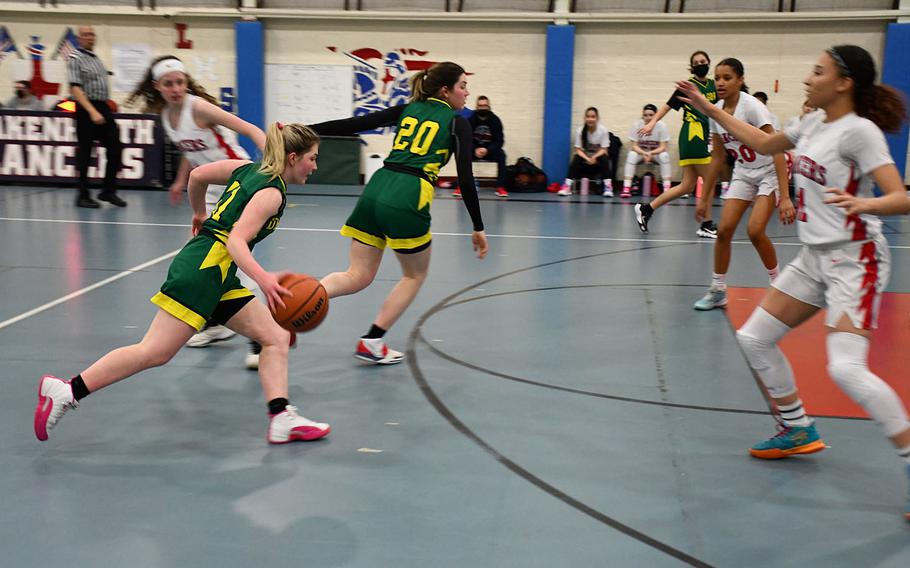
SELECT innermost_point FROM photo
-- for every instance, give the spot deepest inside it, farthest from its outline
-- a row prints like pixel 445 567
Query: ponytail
pixel 428 83
pixel 281 140
pixel 881 104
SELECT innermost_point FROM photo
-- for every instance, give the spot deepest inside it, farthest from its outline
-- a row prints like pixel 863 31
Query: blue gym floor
pixel 561 404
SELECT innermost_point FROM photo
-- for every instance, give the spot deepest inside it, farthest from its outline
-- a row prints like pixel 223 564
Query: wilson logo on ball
pixel 309 314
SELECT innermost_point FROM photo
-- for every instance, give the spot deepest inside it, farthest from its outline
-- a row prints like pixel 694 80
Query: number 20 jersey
pixel 750 110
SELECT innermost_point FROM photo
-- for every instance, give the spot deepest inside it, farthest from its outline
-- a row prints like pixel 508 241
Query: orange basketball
pixel 308 306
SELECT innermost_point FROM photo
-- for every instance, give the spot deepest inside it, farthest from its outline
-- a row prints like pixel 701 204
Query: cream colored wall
pixel 506 62
pixel 619 68
pixel 212 60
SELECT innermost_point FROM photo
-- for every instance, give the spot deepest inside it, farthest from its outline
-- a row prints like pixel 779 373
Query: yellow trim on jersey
pixel 439 101
pixel 234 294
pixel 426 194
pixel 695 161
pixel 405 244
pixel 696 130
pixel 366 238
pixel 220 235
pixel 178 310
pixel 218 256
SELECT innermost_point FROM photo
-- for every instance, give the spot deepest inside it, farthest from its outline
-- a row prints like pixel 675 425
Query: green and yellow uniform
pixel 202 283
pixel 394 208
pixel 693 136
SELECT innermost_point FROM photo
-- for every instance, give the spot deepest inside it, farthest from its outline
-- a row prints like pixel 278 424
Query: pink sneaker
pixel 288 426
pixel 626 193
pixel 375 351
pixel 55 397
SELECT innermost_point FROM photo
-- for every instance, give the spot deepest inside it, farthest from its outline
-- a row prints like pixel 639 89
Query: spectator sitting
pixel 649 148
pixel 23 99
pixel 592 140
pixel 488 141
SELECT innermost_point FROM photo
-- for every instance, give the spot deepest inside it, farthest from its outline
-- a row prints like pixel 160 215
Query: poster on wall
pixel 130 62
pixel 382 78
pixel 40 147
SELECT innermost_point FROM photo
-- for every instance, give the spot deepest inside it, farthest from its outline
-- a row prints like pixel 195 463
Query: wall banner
pixel 41 147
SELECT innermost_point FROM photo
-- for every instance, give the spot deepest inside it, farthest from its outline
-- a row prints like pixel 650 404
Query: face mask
pixel 701 70
pixel 483 113
pixel 20 94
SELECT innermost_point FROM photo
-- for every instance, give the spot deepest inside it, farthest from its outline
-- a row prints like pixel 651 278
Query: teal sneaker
pixel 791 440
pixel 715 298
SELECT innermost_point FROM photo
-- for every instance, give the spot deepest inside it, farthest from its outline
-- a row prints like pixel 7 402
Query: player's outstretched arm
pixel 761 142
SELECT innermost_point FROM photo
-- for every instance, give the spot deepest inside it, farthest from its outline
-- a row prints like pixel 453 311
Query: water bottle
pixel 584 186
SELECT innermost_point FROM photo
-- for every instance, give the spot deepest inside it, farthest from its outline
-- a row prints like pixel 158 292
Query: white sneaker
pixel 377 352
pixel 55 397
pixel 715 298
pixel 566 190
pixel 209 335
pixel 288 426
pixel 252 357
pixel 608 192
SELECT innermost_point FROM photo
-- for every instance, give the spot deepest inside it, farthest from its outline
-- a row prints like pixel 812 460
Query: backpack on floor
pixel 525 177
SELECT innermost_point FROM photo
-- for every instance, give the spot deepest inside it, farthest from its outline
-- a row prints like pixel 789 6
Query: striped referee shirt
pixel 85 70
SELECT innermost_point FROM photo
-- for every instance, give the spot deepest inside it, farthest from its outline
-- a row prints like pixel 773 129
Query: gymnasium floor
pixel 561 405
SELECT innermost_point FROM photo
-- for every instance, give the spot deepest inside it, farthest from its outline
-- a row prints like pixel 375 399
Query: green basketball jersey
pixel 692 114
pixel 424 137
pixel 244 183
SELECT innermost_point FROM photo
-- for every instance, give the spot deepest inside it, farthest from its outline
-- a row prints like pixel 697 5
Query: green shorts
pixel 393 210
pixel 202 284
pixel 693 144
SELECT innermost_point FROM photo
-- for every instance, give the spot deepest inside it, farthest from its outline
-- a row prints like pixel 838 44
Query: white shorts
pixel 847 280
pixel 749 183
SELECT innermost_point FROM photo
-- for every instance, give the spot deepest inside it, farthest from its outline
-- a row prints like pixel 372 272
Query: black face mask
pixel 701 70
pixel 483 113
pixel 20 94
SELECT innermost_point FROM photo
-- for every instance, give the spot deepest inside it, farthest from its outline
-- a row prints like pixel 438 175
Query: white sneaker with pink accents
pixel 288 426
pixel 55 397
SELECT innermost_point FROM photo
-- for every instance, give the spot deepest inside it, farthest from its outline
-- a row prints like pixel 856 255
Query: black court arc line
pixel 448 357
pixel 461 427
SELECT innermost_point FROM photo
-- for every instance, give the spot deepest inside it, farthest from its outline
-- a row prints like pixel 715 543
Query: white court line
pixel 531 237
pixel 87 289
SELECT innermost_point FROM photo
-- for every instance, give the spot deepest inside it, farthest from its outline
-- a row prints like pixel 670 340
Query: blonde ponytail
pixel 281 140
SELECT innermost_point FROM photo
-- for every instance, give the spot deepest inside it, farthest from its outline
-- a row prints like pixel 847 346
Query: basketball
pixel 308 306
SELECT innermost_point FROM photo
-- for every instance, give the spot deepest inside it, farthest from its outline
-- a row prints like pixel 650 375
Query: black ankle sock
pixel 80 391
pixel 375 332
pixel 277 405
pixel 647 209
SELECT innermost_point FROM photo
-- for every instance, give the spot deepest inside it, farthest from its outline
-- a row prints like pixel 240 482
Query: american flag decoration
pixel 7 44
pixel 67 45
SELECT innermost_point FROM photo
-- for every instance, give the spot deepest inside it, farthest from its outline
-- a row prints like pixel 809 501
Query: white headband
pixel 165 66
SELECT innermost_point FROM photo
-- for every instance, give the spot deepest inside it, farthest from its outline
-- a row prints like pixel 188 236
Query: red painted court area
pixel 805 348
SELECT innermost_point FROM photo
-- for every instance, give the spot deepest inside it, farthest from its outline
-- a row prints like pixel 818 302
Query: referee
pixel 94 121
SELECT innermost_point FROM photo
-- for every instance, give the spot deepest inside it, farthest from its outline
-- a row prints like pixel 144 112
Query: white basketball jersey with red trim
pixel 202 145
pixel 837 154
pixel 750 110
pixel 651 141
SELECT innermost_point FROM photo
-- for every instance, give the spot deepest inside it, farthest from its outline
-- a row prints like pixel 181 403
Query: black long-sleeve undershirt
pixel 462 143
